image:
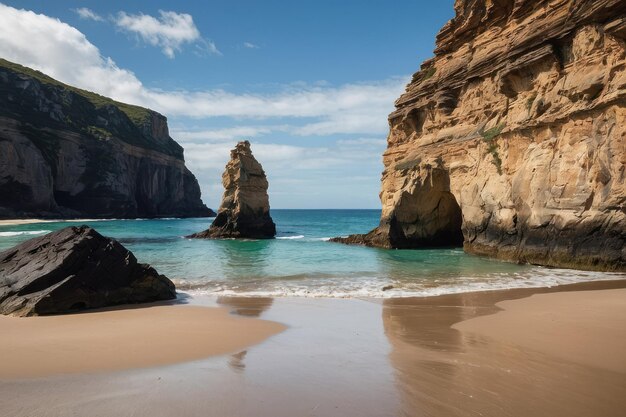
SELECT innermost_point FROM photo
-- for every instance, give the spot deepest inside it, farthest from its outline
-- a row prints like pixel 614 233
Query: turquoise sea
pixel 301 262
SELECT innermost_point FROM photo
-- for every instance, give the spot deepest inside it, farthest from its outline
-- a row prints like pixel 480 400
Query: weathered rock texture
pixel 514 134
pixel 73 269
pixel 66 152
pixel 245 208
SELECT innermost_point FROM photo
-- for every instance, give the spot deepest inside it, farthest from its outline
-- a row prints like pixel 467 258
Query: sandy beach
pixel 549 351
pixel 15 222
pixel 122 339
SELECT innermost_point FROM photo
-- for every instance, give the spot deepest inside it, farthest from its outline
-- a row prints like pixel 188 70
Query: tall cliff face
pixel 65 152
pixel 512 139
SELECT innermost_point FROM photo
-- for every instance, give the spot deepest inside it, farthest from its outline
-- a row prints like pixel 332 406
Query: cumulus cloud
pixel 63 52
pixel 88 14
pixel 169 31
pixel 250 45
pixel 225 134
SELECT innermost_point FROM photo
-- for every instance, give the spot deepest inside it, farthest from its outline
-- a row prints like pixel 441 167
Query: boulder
pixel 245 208
pixel 72 269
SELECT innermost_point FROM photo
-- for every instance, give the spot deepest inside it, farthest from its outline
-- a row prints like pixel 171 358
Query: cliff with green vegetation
pixel 67 152
pixel 511 140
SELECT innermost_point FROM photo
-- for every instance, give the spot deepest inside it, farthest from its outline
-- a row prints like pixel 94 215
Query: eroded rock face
pixel 73 269
pixel 520 118
pixel 65 152
pixel 245 208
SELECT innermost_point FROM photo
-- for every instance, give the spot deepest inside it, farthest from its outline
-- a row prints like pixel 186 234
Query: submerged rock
pixel 512 138
pixel 245 208
pixel 72 269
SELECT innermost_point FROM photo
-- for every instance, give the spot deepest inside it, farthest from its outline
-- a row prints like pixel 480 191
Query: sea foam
pixel 27 232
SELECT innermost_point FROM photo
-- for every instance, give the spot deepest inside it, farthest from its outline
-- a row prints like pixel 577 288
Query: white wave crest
pixel 290 237
pixel 28 232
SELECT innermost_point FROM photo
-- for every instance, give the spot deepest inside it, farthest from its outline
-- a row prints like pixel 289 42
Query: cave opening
pixel 444 228
pixel 455 230
pixel 435 225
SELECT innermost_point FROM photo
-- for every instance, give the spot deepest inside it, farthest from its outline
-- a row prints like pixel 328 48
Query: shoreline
pixel 17 222
pixel 482 353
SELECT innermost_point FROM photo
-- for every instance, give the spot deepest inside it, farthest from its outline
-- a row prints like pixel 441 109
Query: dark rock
pixel 72 269
pixel 245 208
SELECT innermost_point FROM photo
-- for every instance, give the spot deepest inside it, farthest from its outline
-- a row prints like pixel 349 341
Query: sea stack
pixel 245 208
pixel 72 269
pixel 512 137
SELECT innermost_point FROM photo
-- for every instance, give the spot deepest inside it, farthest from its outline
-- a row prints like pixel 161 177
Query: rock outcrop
pixel 514 135
pixel 245 208
pixel 73 269
pixel 66 152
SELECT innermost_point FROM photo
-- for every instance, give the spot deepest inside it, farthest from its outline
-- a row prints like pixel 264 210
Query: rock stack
pixel 245 209
pixel 73 269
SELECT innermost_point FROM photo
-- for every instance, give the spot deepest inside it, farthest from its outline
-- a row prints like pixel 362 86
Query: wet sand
pixel 398 357
pixel 585 327
pixel 123 339
pixel 462 355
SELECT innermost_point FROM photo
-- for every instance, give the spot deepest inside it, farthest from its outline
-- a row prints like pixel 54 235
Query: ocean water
pixel 301 261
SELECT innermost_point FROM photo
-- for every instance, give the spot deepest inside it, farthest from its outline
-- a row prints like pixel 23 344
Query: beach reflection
pixel 441 371
pixel 426 325
pixel 246 306
pixel 236 361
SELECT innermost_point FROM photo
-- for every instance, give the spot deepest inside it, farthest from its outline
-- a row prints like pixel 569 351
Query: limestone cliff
pixel 245 208
pixel 512 139
pixel 66 152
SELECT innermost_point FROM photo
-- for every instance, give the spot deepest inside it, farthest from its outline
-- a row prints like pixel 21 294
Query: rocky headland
pixel 512 139
pixel 245 208
pixel 70 153
pixel 72 269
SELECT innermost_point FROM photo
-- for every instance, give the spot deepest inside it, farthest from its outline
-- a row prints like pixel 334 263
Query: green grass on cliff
pixel 489 136
pixel 83 111
pixel 138 115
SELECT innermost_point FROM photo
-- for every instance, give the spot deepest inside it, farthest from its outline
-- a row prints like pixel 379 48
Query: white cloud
pixel 250 45
pixel 281 157
pixel 350 108
pixel 169 31
pixel 88 14
pixel 204 46
pixel 60 50
pixel 225 134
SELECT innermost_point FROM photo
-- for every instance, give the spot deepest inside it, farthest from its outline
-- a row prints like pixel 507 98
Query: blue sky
pixel 309 83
